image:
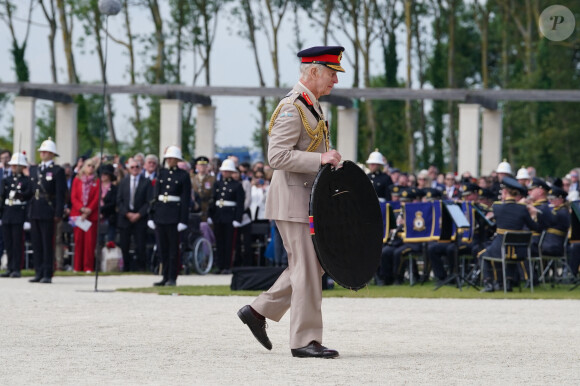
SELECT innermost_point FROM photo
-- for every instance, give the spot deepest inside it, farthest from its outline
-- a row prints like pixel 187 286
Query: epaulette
pixel 290 97
pixel 497 202
pixel 483 206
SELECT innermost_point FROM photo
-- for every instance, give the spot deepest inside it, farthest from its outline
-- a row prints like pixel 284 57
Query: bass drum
pixel 346 225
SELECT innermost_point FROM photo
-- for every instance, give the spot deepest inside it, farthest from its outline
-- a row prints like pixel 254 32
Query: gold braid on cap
pixel 316 135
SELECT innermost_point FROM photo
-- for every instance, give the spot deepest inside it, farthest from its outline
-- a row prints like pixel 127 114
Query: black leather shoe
pixel 256 325
pixel 314 350
pixel 35 279
pixel 15 274
pixel 170 283
pixel 45 280
pixel 160 283
pixel 5 274
pixel 488 287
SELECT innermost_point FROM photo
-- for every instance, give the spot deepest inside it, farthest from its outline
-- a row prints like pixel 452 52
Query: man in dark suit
pixel 46 208
pixel 135 192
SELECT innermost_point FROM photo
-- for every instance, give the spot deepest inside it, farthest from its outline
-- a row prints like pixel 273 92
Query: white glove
pixel 209 221
pixel 0 223
pixel 236 224
pixel 151 224
pixel 181 227
pixel 26 225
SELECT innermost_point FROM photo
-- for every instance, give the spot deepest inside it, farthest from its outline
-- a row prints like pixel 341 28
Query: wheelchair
pixel 197 251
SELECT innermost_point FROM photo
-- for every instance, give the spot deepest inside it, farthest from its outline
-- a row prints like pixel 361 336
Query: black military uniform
pixel 544 216
pixel 381 182
pixel 437 251
pixel 509 216
pixel 227 206
pixel 557 231
pixel 46 207
pixel 172 196
pixel 16 192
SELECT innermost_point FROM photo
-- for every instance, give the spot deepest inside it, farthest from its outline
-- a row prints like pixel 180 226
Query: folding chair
pixel 512 239
pixel 558 264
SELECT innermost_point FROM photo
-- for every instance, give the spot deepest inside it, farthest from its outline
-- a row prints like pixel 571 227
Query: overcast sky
pixel 232 65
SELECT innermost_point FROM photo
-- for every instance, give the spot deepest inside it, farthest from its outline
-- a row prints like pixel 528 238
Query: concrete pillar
pixel 66 132
pixel 468 140
pixel 171 126
pixel 347 132
pixel 205 131
pixel 24 122
pixel 491 140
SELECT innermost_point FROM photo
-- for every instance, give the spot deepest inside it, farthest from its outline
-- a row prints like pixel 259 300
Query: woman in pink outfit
pixel 85 200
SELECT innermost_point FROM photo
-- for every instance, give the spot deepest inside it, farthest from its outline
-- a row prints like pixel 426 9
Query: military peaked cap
pixel 512 183
pixel 329 56
pixel 557 192
pixel 539 183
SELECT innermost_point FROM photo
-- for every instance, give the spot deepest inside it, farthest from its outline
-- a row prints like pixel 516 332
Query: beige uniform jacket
pixel 295 168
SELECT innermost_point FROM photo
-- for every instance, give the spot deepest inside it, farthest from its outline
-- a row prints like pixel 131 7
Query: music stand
pixel 452 215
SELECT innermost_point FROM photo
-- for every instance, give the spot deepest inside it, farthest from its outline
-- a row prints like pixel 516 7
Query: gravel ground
pixel 66 333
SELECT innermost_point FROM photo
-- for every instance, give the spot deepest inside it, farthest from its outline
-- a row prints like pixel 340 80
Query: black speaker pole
pixel 107 8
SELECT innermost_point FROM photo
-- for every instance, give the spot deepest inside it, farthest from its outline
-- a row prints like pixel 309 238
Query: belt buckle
pixel 165 199
pixel 221 203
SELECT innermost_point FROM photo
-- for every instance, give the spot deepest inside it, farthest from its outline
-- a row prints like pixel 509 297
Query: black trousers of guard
pixel 168 250
pixel 42 234
pixel 14 236
pixel 137 231
pixel 224 240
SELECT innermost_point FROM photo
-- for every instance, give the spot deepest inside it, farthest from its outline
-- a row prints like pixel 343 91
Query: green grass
pixel 561 291
pixel 30 273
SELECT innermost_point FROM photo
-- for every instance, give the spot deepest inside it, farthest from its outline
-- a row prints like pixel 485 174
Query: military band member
pixel 438 251
pixel 299 144
pixel 226 213
pixel 510 215
pixel 556 233
pixel 16 191
pixel 538 196
pixel 46 209
pixel 172 195
pixel 380 180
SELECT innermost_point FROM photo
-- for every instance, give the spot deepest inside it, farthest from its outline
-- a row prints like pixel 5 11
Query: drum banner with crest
pixel 419 222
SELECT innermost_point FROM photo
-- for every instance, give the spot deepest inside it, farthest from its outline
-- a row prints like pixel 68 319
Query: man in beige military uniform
pixel 299 145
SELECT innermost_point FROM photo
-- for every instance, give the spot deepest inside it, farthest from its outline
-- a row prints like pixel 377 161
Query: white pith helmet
pixel 376 158
pixel 523 174
pixel 504 167
pixel 228 166
pixel 173 152
pixel 48 145
pixel 18 159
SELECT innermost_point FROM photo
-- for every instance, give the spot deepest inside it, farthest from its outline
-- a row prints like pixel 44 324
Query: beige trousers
pixel 299 287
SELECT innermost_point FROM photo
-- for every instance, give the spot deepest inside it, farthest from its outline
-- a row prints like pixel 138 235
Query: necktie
pixel 132 192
